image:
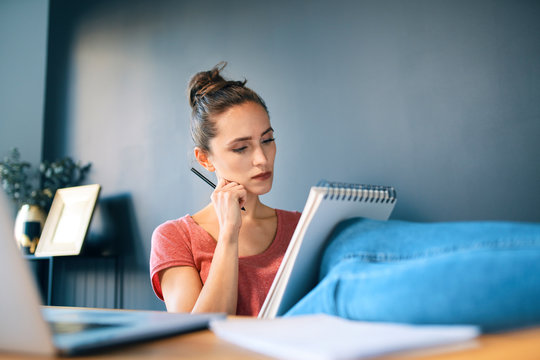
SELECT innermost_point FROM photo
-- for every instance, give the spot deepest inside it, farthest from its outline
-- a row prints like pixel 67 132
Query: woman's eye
pixel 239 150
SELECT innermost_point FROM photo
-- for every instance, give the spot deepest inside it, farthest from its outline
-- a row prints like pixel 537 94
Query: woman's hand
pixel 181 285
pixel 228 198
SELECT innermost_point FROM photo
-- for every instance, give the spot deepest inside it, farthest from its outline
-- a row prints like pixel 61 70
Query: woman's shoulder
pixel 173 228
pixel 289 217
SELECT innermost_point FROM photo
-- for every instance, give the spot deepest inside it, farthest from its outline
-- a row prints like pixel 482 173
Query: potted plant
pixel 32 190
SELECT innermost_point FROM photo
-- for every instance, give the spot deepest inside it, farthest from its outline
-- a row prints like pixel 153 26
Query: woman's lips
pixel 263 176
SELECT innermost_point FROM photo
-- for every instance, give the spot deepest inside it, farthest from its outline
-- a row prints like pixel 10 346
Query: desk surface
pixel 522 344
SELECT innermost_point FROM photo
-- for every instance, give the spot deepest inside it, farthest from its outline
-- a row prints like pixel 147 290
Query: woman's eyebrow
pixel 267 130
pixel 249 137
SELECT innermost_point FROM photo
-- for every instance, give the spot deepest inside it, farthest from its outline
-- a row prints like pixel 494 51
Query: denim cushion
pixel 481 273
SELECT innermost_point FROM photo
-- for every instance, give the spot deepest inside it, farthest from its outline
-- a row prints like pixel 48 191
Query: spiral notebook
pixel 328 204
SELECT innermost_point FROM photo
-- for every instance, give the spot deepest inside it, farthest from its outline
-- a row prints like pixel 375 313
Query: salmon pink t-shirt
pixel 182 242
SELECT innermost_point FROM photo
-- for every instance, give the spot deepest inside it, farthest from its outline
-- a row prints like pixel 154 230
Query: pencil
pixel 205 179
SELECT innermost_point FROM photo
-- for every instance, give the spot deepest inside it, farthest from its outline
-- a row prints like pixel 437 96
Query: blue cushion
pixel 481 273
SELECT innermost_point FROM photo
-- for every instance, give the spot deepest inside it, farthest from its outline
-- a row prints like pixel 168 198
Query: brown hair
pixel 210 95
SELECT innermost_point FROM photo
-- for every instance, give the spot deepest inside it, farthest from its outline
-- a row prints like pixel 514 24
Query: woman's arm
pixel 181 286
pixel 183 291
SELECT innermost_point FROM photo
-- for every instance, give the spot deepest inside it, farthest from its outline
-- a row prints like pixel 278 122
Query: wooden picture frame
pixel 68 220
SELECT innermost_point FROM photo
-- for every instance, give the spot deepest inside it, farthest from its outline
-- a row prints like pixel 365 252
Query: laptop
pixel 28 327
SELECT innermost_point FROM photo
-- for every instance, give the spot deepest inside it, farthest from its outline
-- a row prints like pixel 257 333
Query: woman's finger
pixel 228 187
pixel 221 182
pixel 242 202
pixel 241 193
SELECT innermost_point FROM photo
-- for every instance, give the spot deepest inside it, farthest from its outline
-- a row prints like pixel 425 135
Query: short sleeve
pixel 171 246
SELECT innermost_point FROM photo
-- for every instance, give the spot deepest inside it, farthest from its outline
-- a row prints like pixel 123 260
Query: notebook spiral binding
pixel 358 192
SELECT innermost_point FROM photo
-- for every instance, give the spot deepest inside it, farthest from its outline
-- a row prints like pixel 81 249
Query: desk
pixel 522 344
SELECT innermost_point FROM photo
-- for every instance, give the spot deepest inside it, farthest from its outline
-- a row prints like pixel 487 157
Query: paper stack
pixel 328 337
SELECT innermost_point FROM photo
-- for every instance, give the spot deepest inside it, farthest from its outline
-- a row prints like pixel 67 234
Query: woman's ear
pixel 203 159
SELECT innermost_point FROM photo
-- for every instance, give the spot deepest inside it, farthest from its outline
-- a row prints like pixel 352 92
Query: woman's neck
pixel 255 209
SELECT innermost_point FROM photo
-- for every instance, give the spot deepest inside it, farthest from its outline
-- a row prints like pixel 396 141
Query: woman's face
pixel 244 147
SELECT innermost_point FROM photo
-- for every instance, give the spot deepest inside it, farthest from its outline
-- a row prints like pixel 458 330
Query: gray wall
pixel 437 98
pixel 23 44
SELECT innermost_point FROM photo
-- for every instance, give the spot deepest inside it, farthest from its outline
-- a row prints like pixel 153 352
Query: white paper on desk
pixel 328 337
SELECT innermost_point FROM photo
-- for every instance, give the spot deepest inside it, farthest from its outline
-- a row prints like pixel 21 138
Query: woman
pixel 224 259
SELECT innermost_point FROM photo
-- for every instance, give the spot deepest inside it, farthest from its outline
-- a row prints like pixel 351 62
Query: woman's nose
pixel 259 156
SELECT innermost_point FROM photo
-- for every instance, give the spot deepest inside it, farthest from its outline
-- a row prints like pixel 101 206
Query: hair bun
pixel 206 82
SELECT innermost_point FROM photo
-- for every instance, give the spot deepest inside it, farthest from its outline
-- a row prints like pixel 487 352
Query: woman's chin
pixel 260 189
